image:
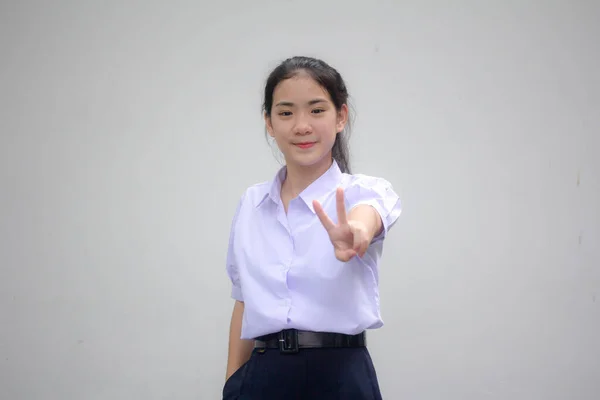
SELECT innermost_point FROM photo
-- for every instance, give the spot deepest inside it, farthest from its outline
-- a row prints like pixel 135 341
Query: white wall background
pixel 129 130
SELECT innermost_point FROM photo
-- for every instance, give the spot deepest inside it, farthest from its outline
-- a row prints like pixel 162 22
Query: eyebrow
pixel 290 104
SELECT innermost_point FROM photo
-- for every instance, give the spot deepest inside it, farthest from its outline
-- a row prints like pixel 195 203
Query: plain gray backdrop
pixel 129 129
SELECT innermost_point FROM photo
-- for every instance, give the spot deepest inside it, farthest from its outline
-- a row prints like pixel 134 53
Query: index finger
pixel 325 220
pixel 341 206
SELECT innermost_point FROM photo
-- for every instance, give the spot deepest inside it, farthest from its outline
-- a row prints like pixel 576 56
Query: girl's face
pixel 304 121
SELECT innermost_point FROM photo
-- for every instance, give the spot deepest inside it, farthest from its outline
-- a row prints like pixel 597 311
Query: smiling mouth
pixel 305 145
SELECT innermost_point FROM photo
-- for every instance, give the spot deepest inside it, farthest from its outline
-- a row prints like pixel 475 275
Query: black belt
pixel 291 340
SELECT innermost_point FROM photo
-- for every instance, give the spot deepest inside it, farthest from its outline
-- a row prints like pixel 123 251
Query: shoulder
pixel 254 194
pixel 350 181
pixel 251 197
pixel 374 191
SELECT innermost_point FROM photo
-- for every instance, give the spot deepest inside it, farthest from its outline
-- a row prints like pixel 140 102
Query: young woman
pixel 304 250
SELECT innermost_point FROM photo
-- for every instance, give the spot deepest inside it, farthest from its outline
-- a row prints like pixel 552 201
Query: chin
pixel 308 160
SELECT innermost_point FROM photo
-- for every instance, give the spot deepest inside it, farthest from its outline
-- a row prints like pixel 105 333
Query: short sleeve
pixel 231 262
pixel 378 193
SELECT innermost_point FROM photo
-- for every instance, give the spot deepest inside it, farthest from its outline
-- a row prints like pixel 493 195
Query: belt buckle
pixel 288 341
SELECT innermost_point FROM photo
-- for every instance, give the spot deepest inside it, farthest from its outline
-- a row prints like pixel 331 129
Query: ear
pixel 342 118
pixel 269 125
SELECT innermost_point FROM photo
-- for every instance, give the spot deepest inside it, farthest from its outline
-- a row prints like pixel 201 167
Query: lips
pixel 305 145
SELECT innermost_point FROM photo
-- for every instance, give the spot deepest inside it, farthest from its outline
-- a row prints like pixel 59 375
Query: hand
pixel 349 238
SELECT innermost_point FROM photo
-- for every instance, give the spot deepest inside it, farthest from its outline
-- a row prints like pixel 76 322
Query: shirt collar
pixel 315 191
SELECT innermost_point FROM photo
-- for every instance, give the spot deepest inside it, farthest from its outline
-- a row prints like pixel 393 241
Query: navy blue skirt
pixel 315 374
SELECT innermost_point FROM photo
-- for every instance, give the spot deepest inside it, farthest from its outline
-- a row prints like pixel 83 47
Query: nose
pixel 302 127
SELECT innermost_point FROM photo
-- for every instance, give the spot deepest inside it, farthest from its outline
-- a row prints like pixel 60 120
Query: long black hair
pixel 330 80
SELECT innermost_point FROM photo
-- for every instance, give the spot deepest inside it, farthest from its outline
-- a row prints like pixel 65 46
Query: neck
pixel 299 178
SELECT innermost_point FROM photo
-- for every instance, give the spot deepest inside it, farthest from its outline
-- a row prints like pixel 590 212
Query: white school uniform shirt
pixel 283 266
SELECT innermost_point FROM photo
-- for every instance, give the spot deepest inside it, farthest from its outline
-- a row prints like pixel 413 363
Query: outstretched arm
pixel 353 233
pixel 368 216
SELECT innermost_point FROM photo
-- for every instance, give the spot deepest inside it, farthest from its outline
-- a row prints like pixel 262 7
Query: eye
pixel 318 111
pixel 285 113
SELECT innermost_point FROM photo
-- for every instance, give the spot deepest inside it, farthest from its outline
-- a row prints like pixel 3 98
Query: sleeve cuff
pixel 236 293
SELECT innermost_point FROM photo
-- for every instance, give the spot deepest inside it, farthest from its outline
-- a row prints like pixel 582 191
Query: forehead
pixel 299 88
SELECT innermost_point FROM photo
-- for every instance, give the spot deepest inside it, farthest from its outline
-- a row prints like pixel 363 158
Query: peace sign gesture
pixel 349 238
